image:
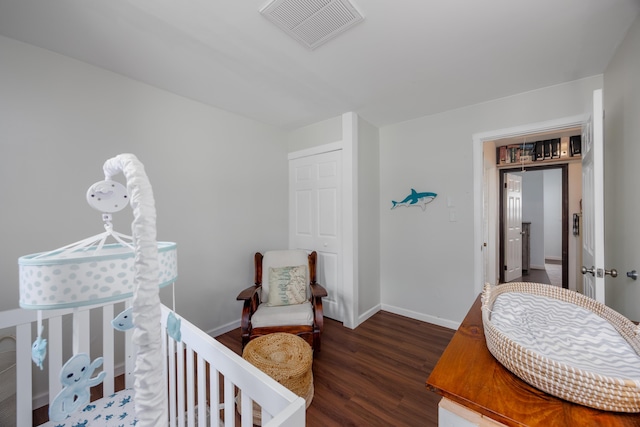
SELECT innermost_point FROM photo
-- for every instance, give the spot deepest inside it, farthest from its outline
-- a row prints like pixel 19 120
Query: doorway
pixel 486 203
pixel 545 208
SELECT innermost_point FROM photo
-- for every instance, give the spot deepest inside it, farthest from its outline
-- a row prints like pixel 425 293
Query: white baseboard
pixel 367 314
pixel 451 324
pixel 536 267
pixel 224 328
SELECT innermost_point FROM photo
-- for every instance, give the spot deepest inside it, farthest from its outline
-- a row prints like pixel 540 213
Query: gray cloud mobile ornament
pixel 415 199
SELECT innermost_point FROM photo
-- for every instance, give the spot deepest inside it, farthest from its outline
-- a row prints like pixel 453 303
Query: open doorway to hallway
pixel 544 213
pixel 487 189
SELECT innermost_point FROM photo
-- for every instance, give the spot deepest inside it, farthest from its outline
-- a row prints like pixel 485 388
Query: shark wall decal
pixel 415 199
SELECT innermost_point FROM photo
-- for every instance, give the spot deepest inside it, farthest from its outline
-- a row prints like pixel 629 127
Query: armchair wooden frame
pixel 251 298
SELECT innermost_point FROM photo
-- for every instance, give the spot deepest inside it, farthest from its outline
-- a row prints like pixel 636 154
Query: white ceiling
pixel 408 58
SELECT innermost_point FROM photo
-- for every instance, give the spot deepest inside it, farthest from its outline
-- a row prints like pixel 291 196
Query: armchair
pixel 286 298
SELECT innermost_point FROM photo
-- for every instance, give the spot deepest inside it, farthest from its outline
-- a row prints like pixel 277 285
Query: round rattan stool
pixel 287 359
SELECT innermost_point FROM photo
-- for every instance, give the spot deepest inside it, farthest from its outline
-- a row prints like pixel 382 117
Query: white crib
pixel 198 369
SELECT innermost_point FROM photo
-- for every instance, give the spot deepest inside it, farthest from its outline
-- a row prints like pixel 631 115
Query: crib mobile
pixel 92 271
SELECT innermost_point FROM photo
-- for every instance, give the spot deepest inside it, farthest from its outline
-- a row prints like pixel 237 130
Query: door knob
pixel 592 270
pixel 613 272
pixel 632 274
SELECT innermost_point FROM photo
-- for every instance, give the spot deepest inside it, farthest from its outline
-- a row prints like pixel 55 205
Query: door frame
pixel 564 167
pixel 489 248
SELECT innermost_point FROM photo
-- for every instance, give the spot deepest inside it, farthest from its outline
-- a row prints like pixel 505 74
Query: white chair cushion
pixel 283 258
pixel 283 315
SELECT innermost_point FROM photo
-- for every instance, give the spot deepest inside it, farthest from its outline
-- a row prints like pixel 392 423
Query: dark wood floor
pixel 374 375
pixel 536 276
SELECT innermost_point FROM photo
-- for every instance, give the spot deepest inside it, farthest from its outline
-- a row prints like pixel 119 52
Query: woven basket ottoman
pixel 286 358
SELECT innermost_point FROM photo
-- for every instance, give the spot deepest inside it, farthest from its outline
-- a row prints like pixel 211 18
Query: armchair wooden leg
pixel 316 342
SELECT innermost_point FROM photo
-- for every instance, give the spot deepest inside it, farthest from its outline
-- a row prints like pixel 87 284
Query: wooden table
pixel 468 375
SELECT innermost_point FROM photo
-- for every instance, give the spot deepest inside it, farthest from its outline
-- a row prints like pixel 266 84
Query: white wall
pixel 622 175
pixel 368 219
pixel 320 133
pixel 552 214
pixel 219 180
pixel 427 261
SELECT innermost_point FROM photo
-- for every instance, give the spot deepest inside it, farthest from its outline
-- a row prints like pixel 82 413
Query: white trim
pixel 215 332
pixel 478 141
pixel 451 324
pixel 349 221
pixel 539 127
pixel 368 314
pixel 320 149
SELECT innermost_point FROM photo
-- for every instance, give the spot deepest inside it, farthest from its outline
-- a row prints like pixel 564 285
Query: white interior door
pixel 593 202
pixel 513 226
pixel 315 194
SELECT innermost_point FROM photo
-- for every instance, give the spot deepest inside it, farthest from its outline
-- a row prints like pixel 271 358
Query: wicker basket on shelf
pixel 558 375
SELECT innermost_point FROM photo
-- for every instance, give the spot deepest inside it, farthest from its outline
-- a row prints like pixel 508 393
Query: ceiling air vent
pixel 312 22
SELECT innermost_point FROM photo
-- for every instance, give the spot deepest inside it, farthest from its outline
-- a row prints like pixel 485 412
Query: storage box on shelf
pixel 539 152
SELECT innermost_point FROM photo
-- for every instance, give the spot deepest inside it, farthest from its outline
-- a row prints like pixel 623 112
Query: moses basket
pixel 565 344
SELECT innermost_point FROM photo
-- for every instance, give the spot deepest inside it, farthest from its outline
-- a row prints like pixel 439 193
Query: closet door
pixel 315 212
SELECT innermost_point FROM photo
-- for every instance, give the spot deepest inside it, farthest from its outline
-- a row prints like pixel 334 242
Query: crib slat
pixel 54 355
pixel 172 383
pixel 214 395
pixel 23 374
pixel 202 394
pixel 163 344
pixel 108 350
pixel 229 405
pixel 246 418
pixel 129 355
pixel 180 389
pixel 191 401
pixel 82 323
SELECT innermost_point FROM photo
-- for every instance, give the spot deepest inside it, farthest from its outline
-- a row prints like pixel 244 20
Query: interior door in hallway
pixel 315 192
pixel 513 226
pixel 592 147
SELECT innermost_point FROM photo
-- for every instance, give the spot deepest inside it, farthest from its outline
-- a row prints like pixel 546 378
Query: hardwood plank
pixel 373 375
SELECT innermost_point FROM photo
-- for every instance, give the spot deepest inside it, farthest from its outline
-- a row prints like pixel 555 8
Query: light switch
pixel 452 215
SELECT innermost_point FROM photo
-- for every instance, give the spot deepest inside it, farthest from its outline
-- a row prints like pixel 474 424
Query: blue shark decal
pixel 124 320
pixel 415 199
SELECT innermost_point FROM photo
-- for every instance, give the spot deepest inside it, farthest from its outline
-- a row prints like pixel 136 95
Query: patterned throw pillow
pixel 287 285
